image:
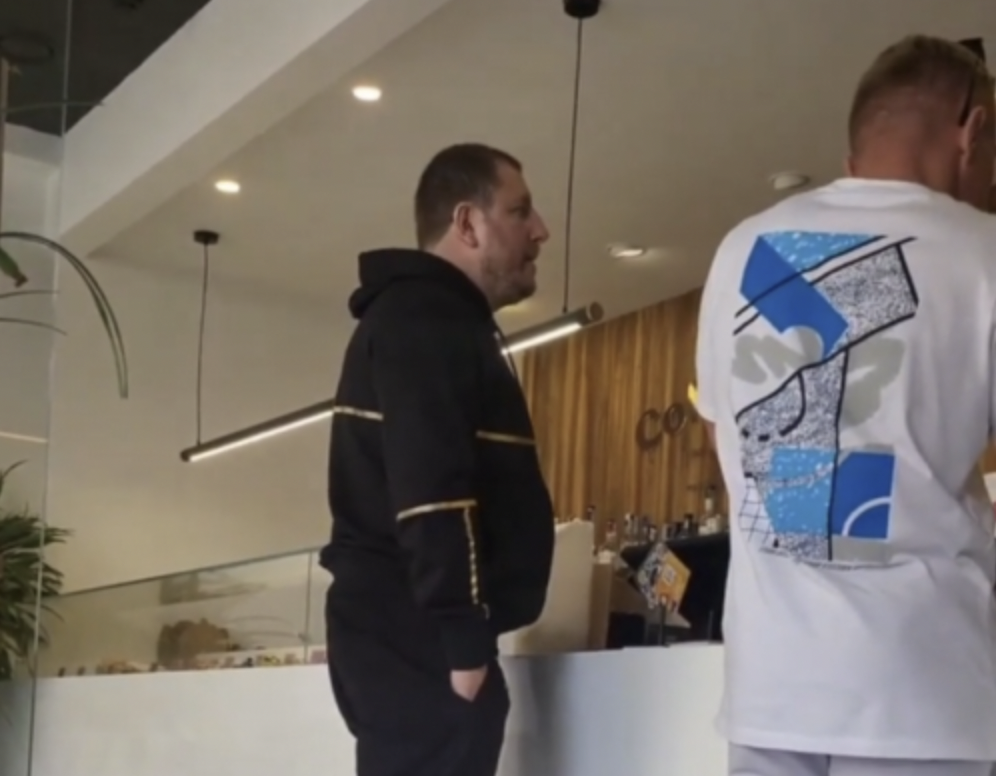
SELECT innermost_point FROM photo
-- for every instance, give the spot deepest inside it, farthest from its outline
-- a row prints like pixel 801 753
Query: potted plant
pixel 27 581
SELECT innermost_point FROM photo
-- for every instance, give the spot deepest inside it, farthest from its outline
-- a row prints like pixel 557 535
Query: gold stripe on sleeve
pixel 508 439
pixel 475 582
pixel 440 506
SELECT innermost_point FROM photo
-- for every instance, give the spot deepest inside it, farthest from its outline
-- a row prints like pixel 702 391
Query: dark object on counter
pixel 625 630
pixel 688 526
pixel 708 559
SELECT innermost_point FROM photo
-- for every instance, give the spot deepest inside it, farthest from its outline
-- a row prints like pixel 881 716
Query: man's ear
pixel 971 132
pixel 463 223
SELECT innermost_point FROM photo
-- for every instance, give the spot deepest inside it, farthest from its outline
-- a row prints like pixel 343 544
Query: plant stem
pixel 4 84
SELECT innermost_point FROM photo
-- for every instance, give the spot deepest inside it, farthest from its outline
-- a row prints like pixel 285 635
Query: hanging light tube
pixel 553 329
pixel 547 331
pixel 257 433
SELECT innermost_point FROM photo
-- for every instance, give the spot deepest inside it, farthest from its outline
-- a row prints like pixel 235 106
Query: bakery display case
pixel 262 613
pixel 270 612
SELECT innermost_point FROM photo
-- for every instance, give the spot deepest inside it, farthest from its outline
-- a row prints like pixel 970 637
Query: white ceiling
pixel 688 106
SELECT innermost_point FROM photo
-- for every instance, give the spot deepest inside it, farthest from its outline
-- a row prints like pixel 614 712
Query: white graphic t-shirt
pixel 847 355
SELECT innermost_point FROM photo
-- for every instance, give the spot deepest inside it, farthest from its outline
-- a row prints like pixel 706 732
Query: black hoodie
pixel 434 478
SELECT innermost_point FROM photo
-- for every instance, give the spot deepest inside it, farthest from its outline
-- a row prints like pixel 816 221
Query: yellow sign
pixel 693 395
pixel 673 581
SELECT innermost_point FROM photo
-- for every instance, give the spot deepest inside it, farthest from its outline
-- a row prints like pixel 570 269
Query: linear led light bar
pixel 257 433
pixel 547 331
pixel 555 328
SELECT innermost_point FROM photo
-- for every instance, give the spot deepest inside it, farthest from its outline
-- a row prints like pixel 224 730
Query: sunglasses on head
pixel 976 46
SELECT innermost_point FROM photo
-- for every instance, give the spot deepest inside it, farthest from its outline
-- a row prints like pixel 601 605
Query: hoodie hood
pixel 379 270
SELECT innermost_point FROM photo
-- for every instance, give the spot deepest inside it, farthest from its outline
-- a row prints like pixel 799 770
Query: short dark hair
pixel 915 68
pixel 467 172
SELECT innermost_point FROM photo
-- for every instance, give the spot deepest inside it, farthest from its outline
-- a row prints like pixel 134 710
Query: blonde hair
pixel 919 73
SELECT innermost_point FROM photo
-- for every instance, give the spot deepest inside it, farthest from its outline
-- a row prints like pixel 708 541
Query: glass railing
pixel 262 613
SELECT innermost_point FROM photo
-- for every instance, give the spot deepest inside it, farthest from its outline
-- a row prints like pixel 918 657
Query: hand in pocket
pixel 467 684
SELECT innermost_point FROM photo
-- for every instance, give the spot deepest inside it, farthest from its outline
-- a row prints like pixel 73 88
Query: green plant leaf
pixel 27 582
pixel 104 309
pixel 11 269
pixel 5 473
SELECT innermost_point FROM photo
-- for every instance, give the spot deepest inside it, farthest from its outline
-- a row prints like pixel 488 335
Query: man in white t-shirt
pixel 847 371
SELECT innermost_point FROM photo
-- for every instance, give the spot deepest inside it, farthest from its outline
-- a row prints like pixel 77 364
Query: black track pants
pixel 393 690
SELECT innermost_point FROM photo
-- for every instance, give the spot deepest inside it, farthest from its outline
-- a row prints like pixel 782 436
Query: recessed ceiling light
pixel 366 93
pixel 788 181
pixel 624 251
pixel 228 186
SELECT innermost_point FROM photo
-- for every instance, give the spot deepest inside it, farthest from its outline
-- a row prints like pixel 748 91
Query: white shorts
pixel 745 761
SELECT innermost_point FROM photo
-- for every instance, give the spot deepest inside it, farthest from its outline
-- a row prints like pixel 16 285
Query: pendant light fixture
pixel 568 322
pixel 555 328
pixel 257 433
pixel 206 239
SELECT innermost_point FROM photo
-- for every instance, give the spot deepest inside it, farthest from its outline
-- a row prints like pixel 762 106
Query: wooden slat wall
pixel 587 393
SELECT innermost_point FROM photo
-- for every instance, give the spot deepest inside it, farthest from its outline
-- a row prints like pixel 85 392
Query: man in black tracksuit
pixel 443 526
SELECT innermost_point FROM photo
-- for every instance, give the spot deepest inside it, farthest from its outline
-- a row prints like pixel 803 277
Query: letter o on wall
pixel 649 429
pixel 675 418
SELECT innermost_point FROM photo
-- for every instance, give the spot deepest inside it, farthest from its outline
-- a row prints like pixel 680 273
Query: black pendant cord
pixel 569 220
pixel 200 342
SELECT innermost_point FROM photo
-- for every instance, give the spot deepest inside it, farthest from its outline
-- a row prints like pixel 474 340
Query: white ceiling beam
pixel 228 75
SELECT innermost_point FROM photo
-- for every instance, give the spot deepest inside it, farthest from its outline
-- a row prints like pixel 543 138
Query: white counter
pixel 639 712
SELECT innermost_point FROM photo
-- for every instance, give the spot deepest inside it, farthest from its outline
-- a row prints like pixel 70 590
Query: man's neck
pixel 467 267
pixel 905 167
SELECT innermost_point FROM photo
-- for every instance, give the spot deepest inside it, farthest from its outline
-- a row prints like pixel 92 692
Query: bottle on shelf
pixel 712 522
pixel 687 527
pixel 628 532
pixel 611 535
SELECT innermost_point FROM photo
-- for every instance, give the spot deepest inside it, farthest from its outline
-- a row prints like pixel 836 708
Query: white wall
pixel 25 353
pixel 116 478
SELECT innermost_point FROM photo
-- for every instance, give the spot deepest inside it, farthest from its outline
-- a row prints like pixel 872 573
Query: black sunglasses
pixel 966 108
pixel 976 46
